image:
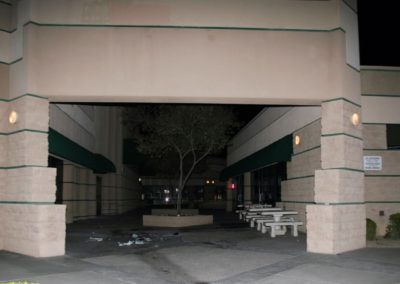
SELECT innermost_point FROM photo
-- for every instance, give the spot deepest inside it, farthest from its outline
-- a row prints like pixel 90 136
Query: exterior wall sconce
pixel 355 119
pixel 13 117
pixel 297 140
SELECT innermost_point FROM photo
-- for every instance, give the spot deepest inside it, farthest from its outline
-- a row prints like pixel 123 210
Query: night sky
pixel 379 23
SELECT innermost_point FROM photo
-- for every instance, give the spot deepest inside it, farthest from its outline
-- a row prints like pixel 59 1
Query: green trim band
pixel 342 99
pixel 12 62
pixel 301 202
pixel 340 203
pixel 7 31
pixel 382 175
pixel 22 166
pixel 374 123
pixel 353 67
pixel 339 134
pixel 181 27
pixel 382 201
pixel 370 149
pixel 379 70
pixel 84 216
pixel 350 7
pixel 308 124
pixel 77 183
pixel 27 202
pixel 24 95
pixel 345 169
pixel 23 130
pixel 302 152
pixel 300 177
pixel 73 200
pixel 382 95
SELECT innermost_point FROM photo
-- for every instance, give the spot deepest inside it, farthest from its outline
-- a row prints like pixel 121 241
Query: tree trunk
pixel 179 202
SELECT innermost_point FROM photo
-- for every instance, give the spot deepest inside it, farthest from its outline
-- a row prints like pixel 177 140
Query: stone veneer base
pixel 176 221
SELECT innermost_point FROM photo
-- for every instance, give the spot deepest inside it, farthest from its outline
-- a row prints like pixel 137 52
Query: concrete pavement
pixel 227 252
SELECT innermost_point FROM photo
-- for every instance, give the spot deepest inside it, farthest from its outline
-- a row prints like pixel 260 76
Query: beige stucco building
pixel 275 52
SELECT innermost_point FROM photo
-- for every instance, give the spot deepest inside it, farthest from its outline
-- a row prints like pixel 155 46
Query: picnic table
pixel 278 223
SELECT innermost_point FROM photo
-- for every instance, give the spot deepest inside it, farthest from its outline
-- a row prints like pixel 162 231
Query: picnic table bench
pixel 279 228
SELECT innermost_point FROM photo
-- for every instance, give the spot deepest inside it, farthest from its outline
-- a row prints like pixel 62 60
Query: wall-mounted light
pixel 355 119
pixel 13 117
pixel 297 140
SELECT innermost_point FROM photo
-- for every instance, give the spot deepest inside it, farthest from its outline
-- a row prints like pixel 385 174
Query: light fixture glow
pixel 297 140
pixel 355 119
pixel 13 117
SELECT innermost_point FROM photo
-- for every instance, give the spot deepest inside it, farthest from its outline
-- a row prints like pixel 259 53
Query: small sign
pixel 372 163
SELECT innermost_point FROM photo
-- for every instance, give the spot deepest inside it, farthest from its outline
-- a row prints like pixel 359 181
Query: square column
pixel 336 223
pixel 30 222
pixel 247 188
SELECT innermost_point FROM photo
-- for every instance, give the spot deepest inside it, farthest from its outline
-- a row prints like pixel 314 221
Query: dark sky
pixel 379 23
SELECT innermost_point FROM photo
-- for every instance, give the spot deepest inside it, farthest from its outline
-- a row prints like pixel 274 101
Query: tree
pixel 192 132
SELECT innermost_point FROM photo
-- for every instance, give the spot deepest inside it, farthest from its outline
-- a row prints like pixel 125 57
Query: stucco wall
pixel 269 126
pixel 382 188
pixel 298 190
pixel 381 104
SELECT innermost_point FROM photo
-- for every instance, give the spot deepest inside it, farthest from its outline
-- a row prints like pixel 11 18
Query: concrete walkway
pixel 227 252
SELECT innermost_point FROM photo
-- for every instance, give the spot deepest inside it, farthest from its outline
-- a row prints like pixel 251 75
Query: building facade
pixel 275 52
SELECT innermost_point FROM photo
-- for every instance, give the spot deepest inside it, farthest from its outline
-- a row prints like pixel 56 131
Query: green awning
pixel 64 147
pixel 279 151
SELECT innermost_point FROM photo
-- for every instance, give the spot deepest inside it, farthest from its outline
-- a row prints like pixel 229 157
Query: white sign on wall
pixel 372 163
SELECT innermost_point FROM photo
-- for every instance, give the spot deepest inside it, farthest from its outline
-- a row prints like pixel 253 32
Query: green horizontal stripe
pixel 345 169
pixel 382 175
pixel 22 166
pixel 183 27
pixel 308 150
pixel 350 7
pixel 340 203
pixel 373 123
pixel 394 150
pixel 27 202
pixel 381 95
pixel 302 202
pixel 80 200
pixel 23 130
pixel 300 177
pixel 341 134
pixel 24 95
pixel 342 99
pixel 84 216
pixel 353 67
pixel 12 62
pixel 379 70
pixel 77 183
pixel 308 124
pixel 382 201
pixel 7 31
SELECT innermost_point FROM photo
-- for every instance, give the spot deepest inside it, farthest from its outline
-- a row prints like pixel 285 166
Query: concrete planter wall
pixel 176 221
pixel 166 211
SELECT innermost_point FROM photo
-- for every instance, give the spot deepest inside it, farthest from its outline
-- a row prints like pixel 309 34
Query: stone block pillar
pixel 336 223
pixel 30 223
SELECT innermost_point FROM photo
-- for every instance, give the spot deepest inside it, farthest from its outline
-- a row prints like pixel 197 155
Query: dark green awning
pixel 64 147
pixel 279 151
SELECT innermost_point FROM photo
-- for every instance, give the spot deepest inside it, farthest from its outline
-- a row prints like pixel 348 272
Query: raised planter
pixel 173 211
pixel 173 221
